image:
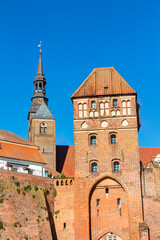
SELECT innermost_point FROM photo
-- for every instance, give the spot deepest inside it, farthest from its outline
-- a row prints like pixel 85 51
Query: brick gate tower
pixel 108 203
pixel 41 121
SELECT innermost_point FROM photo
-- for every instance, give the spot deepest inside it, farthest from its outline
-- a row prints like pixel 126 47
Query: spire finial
pixel 40 45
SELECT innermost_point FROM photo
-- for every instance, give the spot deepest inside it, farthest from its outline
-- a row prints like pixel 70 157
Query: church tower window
pixel 43 128
pixel 85 110
pixel 80 110
pixel 128 107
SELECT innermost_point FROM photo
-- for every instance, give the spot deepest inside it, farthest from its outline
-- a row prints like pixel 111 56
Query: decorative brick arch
pixel 121 234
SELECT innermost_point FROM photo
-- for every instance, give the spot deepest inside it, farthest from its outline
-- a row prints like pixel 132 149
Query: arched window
pixel 115 103
pixel 43 128
pixel 80 110
pixel 118 112
pixel 66 182
pixel 113 113
pixel 40 86
pixel 93 140
pixel 57 183
pixel 93 104
pixel 113 139
pixel 36 86
pixel 94 167
pixel 124 108
pixel 85 109
pixel 101 109
pixel 71 182
pixel 106 108
pixel 116 166
pixel 62 183
pixel 128 107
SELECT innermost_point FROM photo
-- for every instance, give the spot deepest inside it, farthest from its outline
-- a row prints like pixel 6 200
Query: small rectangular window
pixel 115 103
pixel 64 226
pixel 98 202
pixel 93 104
pixel 118 202
pixel 107 192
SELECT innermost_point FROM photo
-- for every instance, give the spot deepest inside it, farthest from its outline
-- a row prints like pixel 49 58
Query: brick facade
pixel 108 193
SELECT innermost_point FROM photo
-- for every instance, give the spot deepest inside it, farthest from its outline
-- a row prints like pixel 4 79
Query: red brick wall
pixel 64 203
pixel 30 213
pixel 46 142
pixel 126 150
pixel 151 200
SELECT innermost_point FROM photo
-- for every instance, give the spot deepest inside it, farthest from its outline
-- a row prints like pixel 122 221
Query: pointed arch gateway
pixel 110 236
pixel 108 220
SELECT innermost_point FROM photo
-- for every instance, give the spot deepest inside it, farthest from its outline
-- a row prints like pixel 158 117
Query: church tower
pixel 41 121
pixel 107 164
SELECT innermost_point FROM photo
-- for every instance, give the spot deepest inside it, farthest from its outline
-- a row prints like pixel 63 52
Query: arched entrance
pixel 108 209
pixel 110 236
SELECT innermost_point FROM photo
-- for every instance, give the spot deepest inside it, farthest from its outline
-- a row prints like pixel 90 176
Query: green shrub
pixel 29 187
pixel 25 188
pixel 1 225
pixel 33 196
pixel 17 184
pixel 54 192
pixel 26 219
pixel 13 177
pixel 57 176
pixel 1 200
pixel 23 193
pixel 45 208
pixel 26 238
pixel 18 190
pixel 46 191
pixel 8 239
pixel 62 175
pixel 15 224
pixel 37 220
pixel 35 188
pixel 57 212
pixel 47 218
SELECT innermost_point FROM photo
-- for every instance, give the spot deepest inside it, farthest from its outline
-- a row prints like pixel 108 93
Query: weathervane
pixel 40 50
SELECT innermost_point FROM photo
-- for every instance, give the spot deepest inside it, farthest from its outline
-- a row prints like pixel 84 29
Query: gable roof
pixel 148 153
pixel 103 82
pixel 21 152
pixel 43 112
pixel 11 137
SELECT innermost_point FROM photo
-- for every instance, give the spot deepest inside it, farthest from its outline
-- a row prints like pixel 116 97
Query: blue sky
pixel 78 36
